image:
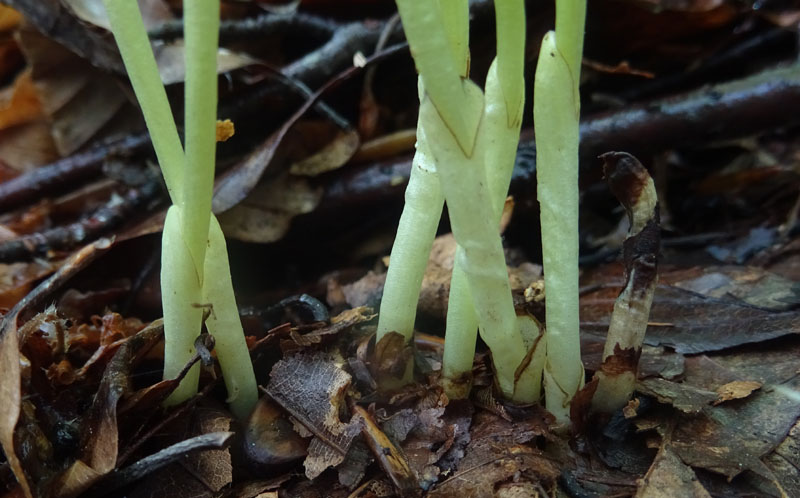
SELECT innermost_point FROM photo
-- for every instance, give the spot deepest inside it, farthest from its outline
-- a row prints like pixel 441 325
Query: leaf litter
pixel 715 411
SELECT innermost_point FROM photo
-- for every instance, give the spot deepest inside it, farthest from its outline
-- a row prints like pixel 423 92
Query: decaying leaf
pixel 213 467
pixel 311 387
pixel 736 390
pixel 341 322
pixel 668 477
pixel 495 454
pixel 69 89
pixel 332 156
pixel 753 285
pixel 392 357
pixel 17 279
pixel 735 436
pixel 684 397
pixel 784 462
pixel 19 103
pixel 165 477
pixel 691 323
pixel 265 215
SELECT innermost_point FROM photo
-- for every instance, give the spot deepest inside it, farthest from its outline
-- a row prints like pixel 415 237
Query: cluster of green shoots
pixel 195 276
pixel 466 146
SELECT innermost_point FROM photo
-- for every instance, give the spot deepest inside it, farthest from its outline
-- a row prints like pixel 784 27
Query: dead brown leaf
pixel 736 390
pixel 265 214
pixel 19 103
pixel 332 156
pixel 311 387
pixel 684 397
pixel 691 323
pixel 497 453
pixel 70 89
pixel 668 477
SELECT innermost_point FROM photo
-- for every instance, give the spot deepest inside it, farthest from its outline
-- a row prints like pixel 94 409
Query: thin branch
pixel 111 215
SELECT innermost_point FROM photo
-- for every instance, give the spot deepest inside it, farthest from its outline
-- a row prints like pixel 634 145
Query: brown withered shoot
pixel 634 188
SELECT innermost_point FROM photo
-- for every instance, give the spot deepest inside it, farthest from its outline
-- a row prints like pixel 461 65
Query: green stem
pixel 440 72
pixel 472 217
pixel 423 202
pixel 134 46
pixel 226 326
pixel 181 299
pixel 504 107
pixel 556 126
pixel 201 32
pixel 412 245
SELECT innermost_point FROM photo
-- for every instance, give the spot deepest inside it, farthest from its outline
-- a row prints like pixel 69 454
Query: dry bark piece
pixel 311 387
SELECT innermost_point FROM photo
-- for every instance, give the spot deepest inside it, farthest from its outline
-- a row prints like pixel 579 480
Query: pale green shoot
pixel 504 106
pixel 423 209
pixel 226 327
pixel 451 114
pixel 181 300
pixel 472 218
pixel 441 74
pixel 185 293
pixel 556 113
pixel 131 37
pixel 201 34
pixel 415 233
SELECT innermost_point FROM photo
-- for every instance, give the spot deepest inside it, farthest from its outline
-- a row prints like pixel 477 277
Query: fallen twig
pixel 111 215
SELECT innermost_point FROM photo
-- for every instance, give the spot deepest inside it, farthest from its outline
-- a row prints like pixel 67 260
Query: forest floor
pixel 323 97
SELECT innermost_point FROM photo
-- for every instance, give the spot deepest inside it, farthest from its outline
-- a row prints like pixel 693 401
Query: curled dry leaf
pixel 338 323
pixel 391 460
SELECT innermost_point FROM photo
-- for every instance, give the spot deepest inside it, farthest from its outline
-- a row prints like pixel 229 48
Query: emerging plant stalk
pixel 422 210
pixel 185 292
pixel 556 118
pixel 501 122
pixel 633 187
